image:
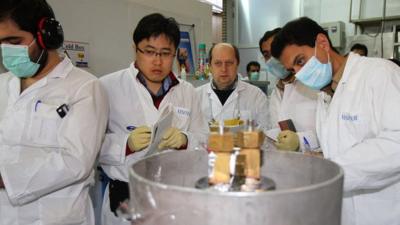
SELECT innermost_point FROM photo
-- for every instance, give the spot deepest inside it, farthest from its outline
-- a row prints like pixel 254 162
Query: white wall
pixel 324 11
pixel 107 25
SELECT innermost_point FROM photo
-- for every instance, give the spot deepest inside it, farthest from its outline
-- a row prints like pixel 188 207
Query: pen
pixel 36 104
pixel 307 146
pixel 130 128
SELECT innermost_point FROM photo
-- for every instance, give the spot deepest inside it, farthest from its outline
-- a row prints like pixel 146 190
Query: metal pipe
pixel 383 25
pixel 351 7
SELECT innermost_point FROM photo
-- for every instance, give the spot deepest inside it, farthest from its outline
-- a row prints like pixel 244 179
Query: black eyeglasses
pixel 152 53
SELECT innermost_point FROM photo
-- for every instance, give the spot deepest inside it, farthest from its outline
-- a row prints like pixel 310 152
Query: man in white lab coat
pixel 226 97
pixel 358 125
pixel 53 124
pixel 290 99
pixel 138 97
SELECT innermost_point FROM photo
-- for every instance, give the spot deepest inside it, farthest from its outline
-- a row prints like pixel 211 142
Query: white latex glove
pixel 172 138
pixel 288 140
pixel 139 138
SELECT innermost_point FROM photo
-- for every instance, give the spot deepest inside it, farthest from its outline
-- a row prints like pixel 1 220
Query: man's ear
pixel 323 42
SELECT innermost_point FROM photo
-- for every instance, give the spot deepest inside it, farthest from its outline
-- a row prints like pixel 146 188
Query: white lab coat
pixel 47 161
pixel 4 79
pixel 246 101
pixel 131 105
pixel 298 103
pixel 360 130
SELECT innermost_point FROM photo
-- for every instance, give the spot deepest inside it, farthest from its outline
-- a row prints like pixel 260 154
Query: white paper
pixel 273 133
pixel 311 139
pixel 163 123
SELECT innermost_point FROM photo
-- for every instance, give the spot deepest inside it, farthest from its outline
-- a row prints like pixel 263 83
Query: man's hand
pixel 139 138
pixel 173 138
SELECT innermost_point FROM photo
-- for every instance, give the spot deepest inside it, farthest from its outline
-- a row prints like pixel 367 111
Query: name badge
pixel 182 111
pixel 350 117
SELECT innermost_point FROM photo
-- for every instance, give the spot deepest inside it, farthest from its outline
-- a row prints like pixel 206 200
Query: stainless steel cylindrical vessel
pixel 309 192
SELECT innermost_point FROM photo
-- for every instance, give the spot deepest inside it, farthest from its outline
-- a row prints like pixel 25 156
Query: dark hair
pixel 396 61
pixel 268 35
pixel 154 25
pixel 236 50
pixel 302 31
pixel 252 63
pixel 25 13
pixel 360 47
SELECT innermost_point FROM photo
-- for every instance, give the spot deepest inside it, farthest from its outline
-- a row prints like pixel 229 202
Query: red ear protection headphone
pixel 50 34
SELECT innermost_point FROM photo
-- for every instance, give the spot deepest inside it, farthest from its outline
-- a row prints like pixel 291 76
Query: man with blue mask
pixel 290 99
pixel 52 124
pixel 357 118
pixel 253 71
pixel 17 60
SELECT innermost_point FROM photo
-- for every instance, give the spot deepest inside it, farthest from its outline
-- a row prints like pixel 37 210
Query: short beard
pixel 43 60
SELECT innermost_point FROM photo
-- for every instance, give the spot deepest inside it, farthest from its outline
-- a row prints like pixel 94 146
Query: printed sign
pixel 185 54
pixel 78 52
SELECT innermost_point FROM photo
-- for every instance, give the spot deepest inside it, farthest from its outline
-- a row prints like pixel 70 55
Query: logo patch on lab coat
pixel 350 117
pixel 182 111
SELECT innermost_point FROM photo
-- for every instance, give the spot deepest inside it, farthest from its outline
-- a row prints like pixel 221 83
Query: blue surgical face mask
pixel 315 74
pixel 254 76
pixel 16 60
pixel 275 68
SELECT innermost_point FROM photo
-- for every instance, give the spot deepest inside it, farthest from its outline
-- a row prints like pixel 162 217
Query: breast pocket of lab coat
pixel 44 125
pixel 181 118
pixel 356 124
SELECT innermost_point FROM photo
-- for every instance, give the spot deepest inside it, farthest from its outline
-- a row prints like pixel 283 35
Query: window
pixel 216 5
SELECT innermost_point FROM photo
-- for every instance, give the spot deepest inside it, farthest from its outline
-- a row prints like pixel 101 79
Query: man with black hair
pixel 359 49
pixel 226 97
pixel 138 96
pixel 252 70
pixel 357 118
pixel 290 99
pixel 53 124
pixel 265 42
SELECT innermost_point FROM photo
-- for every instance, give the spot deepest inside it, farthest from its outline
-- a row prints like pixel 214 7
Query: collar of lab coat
pixel 134 72
pixel 145 99
pixel 352 59
pixel 240 86
pixel 61 70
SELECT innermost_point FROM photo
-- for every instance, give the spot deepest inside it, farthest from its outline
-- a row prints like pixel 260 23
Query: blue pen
pixel 36 104
pixel 307 146
pixel 130 128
